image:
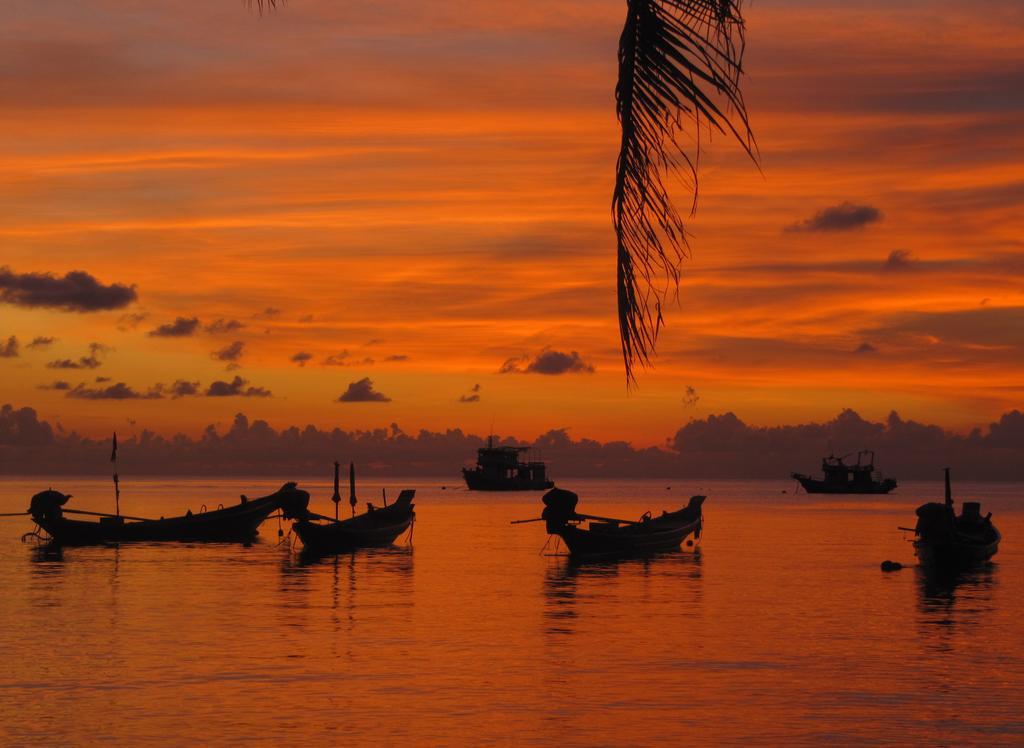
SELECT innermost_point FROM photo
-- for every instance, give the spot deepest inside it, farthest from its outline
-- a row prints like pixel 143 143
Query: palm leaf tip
pixel 680 63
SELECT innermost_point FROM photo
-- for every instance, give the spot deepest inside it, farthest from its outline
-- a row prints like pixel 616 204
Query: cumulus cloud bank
pixel 719 446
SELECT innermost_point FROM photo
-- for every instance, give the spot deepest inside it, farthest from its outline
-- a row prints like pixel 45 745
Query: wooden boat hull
pixel 813 485
pixel 654 536
pixel 234 524
pixel 955 554
pixel 375 528
pixel 476 480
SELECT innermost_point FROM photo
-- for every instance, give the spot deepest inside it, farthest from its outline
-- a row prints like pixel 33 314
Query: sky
pixel 362 214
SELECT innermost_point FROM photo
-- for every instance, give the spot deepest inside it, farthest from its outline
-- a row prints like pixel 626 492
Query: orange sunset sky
pixel 418 192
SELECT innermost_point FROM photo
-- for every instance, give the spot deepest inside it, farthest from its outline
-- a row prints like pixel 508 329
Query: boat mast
pixel 352 487
pixel 117 486
pixel 949 490
pixel 336 498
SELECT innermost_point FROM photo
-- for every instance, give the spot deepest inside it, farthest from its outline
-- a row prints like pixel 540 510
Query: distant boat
pixel 843 477
pixel 377 527
pixel 945 540
pixel 238 523
pixel 606 537
pixel 500 469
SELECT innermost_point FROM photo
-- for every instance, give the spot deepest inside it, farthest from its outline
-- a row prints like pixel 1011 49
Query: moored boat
pixel 502 469
pixel 377 527
pixel 607 537
pixel 237 523
pixel 842 477
pixel 946 540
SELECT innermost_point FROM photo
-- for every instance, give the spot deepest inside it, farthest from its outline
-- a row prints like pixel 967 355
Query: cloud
pixel 131 320
pixel 60 384
pixel 980 330
pixel 102 379
pixel 899 259
pixel 398 357
pixel 547 362
pixel 865 347
pixel 301 358
pixel 119 391
pixel 92 361
pixel 222 326
pixel 269 313
pixel 41 342
pixel 183 388
pixel 362 392
pixel 9 349
pixel 473 396
pixel 182 327
pixel 77 291
pixel 231 352
pixel 342 359
pixel 690 397
pixel 236 388
pixel 717 446
pixel 843 217
pixel 337 359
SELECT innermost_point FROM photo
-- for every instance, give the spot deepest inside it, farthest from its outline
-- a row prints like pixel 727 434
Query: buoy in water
pixel 891 566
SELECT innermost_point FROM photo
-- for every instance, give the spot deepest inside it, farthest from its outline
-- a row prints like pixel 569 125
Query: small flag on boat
pixel 113 451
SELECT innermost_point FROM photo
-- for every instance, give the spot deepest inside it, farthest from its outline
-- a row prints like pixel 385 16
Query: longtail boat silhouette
pixel 376 527
pixel 844 477
pixel 946 540
pixel 234 524
pixel 237 523
pixel 606 537
pixel 500 469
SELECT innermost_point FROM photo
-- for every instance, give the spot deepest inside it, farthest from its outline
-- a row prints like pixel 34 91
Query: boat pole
pixel 117 486
pixel 352 487
pixel 949 490
pixel 337 494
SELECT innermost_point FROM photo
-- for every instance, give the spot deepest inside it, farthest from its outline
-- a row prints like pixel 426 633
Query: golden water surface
pixel 778 629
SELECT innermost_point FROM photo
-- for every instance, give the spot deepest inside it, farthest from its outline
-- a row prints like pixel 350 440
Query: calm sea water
pixel 780 629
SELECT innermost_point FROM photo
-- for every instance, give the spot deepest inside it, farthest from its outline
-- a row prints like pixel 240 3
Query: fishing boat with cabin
pixel 607 537
pixel 943 539
pixel 501 469
pixel 843 477
pixel 378 526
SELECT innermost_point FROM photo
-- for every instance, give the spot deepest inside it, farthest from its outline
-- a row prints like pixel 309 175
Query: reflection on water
pixel 950 599
pixel 572 587
pixel 779 630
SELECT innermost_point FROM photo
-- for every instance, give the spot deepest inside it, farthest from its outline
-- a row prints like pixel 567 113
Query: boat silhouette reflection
pixel 572 586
